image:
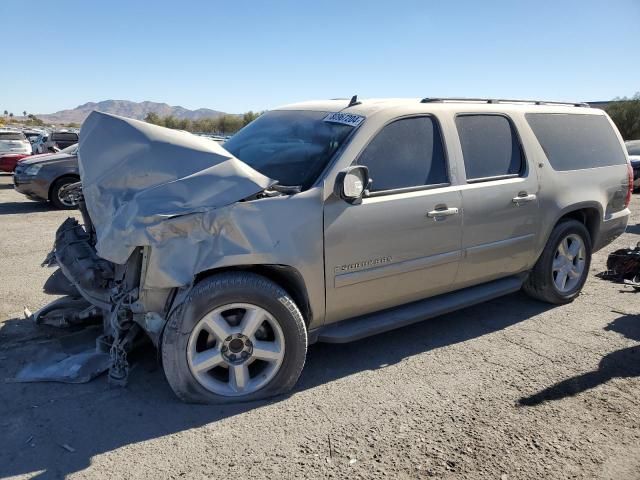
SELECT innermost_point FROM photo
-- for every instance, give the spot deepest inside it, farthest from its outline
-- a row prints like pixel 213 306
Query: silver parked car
pixel 43 177
pixel 331 221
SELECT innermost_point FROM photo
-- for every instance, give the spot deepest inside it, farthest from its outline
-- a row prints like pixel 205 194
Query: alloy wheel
pixel 235 349
pixel 569 263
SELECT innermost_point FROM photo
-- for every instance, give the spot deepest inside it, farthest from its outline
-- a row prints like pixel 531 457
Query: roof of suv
pixel 367 107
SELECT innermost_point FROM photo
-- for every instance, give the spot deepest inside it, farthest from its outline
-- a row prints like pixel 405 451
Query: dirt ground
pixel 511 389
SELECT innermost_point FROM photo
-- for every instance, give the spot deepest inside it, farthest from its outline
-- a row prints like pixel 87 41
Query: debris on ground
pixel 71 359
pixel 623 266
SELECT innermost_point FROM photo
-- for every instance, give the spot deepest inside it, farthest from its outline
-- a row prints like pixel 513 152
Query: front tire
pixel 238 337
pixel 58 200
pixel 561 271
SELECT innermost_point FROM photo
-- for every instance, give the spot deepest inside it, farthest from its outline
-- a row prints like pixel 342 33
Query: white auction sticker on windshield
pixel 344 118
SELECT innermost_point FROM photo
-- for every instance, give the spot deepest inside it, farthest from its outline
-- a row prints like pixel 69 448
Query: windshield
pixel 11 136
pixel 290 146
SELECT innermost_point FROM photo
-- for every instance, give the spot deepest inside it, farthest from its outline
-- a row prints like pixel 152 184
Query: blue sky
pixel 253 55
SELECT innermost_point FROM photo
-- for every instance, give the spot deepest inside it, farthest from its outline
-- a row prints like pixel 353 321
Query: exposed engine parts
pixel 95 290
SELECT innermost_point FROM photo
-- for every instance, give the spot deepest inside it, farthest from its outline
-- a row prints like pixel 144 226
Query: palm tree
pixel 6 112
pixel 11 116
pixel 24 113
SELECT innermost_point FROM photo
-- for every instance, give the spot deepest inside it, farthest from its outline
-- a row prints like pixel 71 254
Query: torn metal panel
pixel 137 176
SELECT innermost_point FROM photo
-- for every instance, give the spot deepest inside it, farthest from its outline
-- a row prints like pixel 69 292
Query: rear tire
pixel 558 278
pixel 206 356
pixel 54 196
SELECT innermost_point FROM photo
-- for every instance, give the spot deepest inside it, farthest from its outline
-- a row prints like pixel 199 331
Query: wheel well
pixel 75 177
pixel 287 277
pixel 589 217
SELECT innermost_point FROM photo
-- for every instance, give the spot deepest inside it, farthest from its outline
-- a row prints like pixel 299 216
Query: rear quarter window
pixel 574 141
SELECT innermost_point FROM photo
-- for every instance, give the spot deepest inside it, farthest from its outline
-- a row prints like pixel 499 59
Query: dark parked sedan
pixel 633 149
pixel 42 177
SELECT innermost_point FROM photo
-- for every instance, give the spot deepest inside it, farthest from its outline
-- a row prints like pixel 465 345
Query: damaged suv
pixel 327 221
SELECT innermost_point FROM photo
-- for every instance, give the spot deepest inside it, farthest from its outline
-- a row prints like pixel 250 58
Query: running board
pixel 379 322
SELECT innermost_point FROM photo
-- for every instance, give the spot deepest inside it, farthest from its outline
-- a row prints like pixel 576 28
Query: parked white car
pixel 12 141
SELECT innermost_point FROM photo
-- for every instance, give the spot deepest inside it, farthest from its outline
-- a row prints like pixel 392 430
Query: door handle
pixel 524 198
pixel 441 213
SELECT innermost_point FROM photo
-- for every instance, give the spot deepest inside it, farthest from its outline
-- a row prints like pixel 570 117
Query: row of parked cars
pixel 42 162
pixel 16 144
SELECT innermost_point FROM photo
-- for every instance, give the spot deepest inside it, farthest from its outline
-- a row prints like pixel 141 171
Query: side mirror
pixel 352 183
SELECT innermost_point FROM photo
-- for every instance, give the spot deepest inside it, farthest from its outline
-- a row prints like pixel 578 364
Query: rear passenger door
pixel 500 199
pixel 402 243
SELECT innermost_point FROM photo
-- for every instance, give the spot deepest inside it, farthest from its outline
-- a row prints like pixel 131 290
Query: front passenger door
pixel 403 242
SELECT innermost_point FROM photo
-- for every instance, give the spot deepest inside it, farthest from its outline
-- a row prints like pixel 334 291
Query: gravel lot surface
pixel 511 389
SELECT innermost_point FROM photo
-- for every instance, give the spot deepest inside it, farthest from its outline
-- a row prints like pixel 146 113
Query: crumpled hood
pixel 137 177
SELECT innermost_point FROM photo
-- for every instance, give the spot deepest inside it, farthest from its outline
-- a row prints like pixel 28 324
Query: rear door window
pixel 574 141
pixel 407 153
pixel 490 147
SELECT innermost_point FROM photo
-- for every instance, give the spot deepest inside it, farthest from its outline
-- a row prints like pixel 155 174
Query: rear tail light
pixel 627 199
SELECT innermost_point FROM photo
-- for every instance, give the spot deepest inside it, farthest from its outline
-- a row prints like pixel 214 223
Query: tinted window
pixel 633 148
pixel 406 153
pixel 11 136
pixel 64 137
pixel 292 147
pixel 573 141
pixel 489 145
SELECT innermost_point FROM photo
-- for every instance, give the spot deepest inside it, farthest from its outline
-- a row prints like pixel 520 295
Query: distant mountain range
pixel 126 108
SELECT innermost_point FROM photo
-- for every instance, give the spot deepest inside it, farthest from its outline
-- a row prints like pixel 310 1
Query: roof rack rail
pixel 501 100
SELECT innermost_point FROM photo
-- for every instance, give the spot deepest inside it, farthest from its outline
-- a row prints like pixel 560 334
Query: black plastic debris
pixel 623 266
